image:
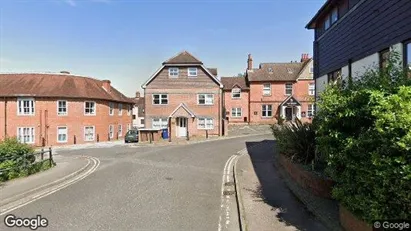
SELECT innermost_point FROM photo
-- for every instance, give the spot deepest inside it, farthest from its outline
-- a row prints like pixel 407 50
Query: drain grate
pixel 225 193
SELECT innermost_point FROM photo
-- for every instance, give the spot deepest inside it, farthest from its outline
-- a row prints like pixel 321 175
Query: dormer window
pixel 236 93
pixel 173 72
pixel 192 72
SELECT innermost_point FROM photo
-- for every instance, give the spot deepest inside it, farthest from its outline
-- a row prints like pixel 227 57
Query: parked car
pixel 131 136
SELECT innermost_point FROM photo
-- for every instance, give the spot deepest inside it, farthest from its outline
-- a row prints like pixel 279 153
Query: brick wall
pixel 45 120
pixel 242 103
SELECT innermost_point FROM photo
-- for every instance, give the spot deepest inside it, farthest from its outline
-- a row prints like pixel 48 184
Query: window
pixel 288 88
pixel 205 99
pixel 334 77
pixel 120 130
pixel 310 110
pixel 159 99
pixel 89 133
pixel 160 123
pixel 267 89
pixel 384 56
pixel 111 110
pixel 111 131
pixel 267 110
pixel 26 135
pixel 120 109
pixel 62 134
pixel 89 108
pixel 311 89
pixel 236 93
pixel 142 122
pixel 334 16
pixel 327 23
pixel 26 106
pixel 236 112
pixel 173 72
pixel 129 110
pixel 134 117
pixel 61 107
pixel 205 123
pixel 192 71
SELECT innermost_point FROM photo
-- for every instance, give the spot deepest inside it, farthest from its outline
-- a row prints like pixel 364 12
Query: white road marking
pixel 47 192
pixel 224 203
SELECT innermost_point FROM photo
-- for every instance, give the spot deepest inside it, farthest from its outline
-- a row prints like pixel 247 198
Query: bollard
pixel 42 154
pixel 98 138
pixel 50 157
pixel 188 135
pixel 149 137
pixel 206 134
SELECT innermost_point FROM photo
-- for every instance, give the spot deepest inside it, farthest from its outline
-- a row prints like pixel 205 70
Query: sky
pixel 126 41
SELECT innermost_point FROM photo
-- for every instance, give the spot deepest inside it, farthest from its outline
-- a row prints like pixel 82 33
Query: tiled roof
pixel 213 71
pixel 183 58
pixel 230 82
pixel 57 85
pixel 277 71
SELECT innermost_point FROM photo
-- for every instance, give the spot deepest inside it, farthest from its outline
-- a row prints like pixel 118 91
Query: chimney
pixel 305 57
pixel 249 62
pixel 137 94
pixel 107 85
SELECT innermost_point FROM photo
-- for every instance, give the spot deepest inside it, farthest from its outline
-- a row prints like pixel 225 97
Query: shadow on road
pixel 273 191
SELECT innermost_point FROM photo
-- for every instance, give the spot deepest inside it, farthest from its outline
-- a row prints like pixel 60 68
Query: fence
pixel 27 160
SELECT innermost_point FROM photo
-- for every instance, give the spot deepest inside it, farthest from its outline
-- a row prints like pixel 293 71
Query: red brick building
pixel 184 97
pixel 236 98
pixel 281 90
pixel 61 109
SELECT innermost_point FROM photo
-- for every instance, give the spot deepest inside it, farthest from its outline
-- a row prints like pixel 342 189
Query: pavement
pixel 248 129
pixel 182 187
pixel 266 203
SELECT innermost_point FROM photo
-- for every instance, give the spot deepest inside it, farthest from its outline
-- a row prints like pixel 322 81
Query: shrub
pixel 296 140
pixel 364 132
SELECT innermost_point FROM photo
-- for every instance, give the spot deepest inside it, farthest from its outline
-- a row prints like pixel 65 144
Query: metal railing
pixel 28 159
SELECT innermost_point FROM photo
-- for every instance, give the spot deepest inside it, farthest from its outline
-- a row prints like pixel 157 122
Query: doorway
pixel 181 126
pixel 288 113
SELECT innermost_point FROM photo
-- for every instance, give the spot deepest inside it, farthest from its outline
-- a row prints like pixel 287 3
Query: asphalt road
pixel 143 188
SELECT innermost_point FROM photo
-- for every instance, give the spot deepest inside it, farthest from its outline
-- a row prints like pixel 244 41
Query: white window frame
pixel 265 108
pixel 111 108
pixel 94 133
pixel 236 91
pixel 120 130
pixel 310 110
pixel 311 89
pixel 267 89
pixel 173 73
pixel 236 112
pixel 95 108
pixel 207 125
pixel 31 107
pixel 58 108
pixel 160 99
pixel 111 131
pixel 160 123
pixel 192 69
pixel 58 134
pixel 120 109
pixel 207 99
pixel 286 87
pixel 31 135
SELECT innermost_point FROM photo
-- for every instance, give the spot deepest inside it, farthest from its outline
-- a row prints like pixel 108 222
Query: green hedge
pixel 364 131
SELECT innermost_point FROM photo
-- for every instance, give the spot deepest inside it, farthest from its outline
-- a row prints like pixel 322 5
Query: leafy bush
pixel 364 132
pixel 296 140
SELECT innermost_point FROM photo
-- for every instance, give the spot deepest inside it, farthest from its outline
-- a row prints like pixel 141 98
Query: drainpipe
pixel 5 117
pixel 220 103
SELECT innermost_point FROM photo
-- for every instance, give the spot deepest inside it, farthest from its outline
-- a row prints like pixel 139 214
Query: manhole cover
pixel 169 178
pixel 229 184
pixel 228 193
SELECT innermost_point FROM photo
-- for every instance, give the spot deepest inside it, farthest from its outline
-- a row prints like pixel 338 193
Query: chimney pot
pixel 249 62
pixel 137 94
pixel 107 85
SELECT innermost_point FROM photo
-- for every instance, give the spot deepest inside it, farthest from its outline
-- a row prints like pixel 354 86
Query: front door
pixel 288 113
pixel 181 126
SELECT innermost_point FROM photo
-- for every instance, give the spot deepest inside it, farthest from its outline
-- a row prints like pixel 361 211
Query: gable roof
pixel 291 100
pixel 277 71
pixel 321 12
pixel 182 105
pixel 183 57
pixel 212 72
pixel 57 85
pixel 230 82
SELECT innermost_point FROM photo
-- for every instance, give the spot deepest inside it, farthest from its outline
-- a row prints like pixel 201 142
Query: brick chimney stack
pixel 107 85
pixel 305 57
pixel 137 95
pixel 249 62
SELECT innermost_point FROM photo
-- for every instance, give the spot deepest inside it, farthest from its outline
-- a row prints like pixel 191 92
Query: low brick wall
pixel 144 136
pixel 350 223
pixel 317 185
